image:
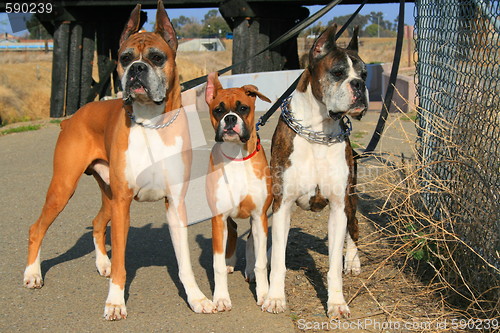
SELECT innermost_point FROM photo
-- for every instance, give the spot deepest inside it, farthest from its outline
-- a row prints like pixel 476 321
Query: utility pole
pixel 378 26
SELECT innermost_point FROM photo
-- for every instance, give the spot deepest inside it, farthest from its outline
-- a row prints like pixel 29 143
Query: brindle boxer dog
pixel 312 164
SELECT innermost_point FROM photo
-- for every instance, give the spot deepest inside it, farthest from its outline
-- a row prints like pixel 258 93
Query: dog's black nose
pixel 357 84
pixel 138 68
pixel 230 120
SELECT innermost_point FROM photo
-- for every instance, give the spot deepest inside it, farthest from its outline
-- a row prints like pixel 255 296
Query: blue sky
pixel 390 13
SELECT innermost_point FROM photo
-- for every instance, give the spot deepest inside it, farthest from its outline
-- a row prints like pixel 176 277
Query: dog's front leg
pixel 275 301
pixel 120 222
pixel 259 232
pixel 337 223
pixel 177 223
pixel 221 298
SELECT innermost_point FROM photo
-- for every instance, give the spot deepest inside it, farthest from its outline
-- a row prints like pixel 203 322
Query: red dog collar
pixel 257 149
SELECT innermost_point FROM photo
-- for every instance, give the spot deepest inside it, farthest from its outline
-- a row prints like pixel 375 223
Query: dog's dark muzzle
pixel 137 70
pixel 358 89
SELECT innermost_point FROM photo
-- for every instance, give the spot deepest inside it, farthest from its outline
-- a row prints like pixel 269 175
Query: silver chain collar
pixel 150 126
pixel 314 136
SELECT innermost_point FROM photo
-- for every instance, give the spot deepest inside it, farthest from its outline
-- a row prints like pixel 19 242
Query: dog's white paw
pixel 261 299
pixel 338 311
pixel 352 266
pixel 103 265
pixel 33 281
pixel 274 305
pixel 262 289
pixel 115 311
pixel 33 276
pixel 223 304
pixel 230 269
pixel 203 305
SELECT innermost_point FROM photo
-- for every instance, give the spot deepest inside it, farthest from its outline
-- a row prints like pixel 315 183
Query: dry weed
pixel 24 90
pixel 426 239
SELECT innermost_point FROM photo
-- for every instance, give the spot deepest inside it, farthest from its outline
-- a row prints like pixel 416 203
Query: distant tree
pixel 191 30
pixel 180 21
pixel 215 26
pixel 210 15
pixel 360 20
pixel 372 30
pixel 211 25
pixel 378 18
pixel 36 29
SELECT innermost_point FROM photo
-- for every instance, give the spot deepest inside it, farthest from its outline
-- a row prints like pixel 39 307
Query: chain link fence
pixel 458 88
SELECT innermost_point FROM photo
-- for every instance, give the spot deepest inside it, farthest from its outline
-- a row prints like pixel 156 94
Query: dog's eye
pixel 337 73
pixel 218 110
pixel 157 58
pixel 243 108
pixel 364 75
pixel 125 59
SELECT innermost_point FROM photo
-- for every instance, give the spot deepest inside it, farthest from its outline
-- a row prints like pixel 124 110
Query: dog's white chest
pixel 317 165
pixel 236 181
pixel 152 166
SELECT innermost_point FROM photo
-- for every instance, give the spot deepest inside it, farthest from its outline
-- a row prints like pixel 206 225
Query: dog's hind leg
pixel 232 237
pixel 100 223
pixel 68 168
pixel 259 231
pixel 221 298
pixel 275 301
pixel 352 265
pixel 351 260
pixel 337 229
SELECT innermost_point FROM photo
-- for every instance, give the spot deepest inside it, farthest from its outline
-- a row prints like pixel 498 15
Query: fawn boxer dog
pixel 312 162
pixel 238 186
pixel 136 148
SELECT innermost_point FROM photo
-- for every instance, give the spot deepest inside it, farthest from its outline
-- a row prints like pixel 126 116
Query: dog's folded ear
pixel 133 24
pixel 164 27
pixel 213 85
pixel 324 43
pixel 353 44
pixel 253 91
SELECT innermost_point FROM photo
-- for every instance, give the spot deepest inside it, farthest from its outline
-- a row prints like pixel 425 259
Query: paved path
pixel 74 294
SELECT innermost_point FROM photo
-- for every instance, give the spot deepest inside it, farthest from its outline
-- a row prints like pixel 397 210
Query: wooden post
pixel 87 62
pixel 114 46
pixel 409 39
pixel 103 59
pixel 255 27
pixel 59 69
pixel 74 69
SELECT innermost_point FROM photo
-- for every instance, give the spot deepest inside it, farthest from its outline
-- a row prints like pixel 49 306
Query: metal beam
pixel 150 4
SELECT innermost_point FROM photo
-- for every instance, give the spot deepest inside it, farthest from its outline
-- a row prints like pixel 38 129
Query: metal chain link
pixel 310 135
pixel 168 123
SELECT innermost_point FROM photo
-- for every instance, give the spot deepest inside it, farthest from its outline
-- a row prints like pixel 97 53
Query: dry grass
pixel 24 57
pixel 430 248
pixel 24 87
pixel 194 64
